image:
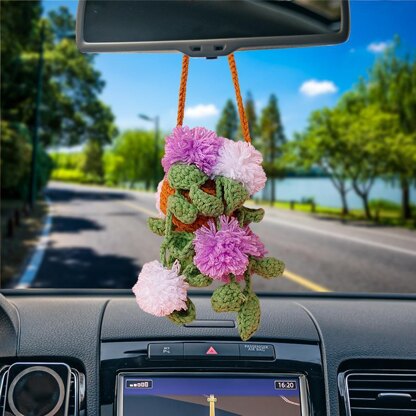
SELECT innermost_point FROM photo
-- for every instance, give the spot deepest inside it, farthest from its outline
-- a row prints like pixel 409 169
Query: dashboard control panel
pixel 210 351
pixel 130 367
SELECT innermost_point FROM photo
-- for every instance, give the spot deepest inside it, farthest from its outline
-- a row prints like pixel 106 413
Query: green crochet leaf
pixel 267 267
pixel 248 319
pixel 195 278
pixel 185 176
pixel 180 245
pixel 208 205
pixel 156 225
pixel 227 298
pixel 248 215
pixel 184 317
pixel 183 210
pixel 234 195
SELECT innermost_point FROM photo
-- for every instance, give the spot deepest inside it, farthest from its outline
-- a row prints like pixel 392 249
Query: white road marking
pixel 343 237
pixel 380 233
pixel 390 235
pixel 37 257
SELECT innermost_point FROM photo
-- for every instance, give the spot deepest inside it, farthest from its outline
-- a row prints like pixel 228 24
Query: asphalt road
pixel 99 239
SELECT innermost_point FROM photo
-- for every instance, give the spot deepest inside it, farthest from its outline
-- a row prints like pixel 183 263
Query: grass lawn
pixel 15 250
pixel 388 217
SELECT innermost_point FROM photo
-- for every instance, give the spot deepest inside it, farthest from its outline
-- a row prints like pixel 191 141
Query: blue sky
pixel 303 79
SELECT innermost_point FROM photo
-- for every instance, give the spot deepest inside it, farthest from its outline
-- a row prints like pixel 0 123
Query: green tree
pixel 71 84
pixel 401 162
pixel 93 166
pixel 250 107
pixel 370 133
pixel 99 134
pixel 115 174
pixel 71 110
pixel 324 144
pixel 272 139
pixel 132 160
pixel 392 85
pixel 228 123
pixel 19 28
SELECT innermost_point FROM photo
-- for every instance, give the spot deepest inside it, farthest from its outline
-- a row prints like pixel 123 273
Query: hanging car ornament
pixel 204 224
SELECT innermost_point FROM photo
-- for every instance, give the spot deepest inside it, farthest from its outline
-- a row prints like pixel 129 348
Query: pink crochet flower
pixel 197 146
pixel 242 162
pixel 221 252
pixel 158 192
pixel 255 247
pixel 160 291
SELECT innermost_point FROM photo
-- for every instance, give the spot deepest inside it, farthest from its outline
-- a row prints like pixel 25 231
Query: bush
pixel 384 205
pixel 310 200
pixel 16 154
pixel 16 159
pixel 67 160
pixel 69 175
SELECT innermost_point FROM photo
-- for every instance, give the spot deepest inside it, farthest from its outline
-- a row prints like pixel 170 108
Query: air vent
pixel 76 394
pixel 3 373
pixel 376 394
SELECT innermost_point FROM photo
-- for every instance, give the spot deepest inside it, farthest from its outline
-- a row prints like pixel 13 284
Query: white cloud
pixel 314 87
pixel 378 47
pixel 201 111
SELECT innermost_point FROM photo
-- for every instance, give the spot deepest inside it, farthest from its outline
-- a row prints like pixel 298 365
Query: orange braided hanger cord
pixel 234 75
pixel 243 117
pixel 182 90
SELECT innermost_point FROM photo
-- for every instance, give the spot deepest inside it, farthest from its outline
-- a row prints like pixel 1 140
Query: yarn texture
pixel 197 146
pixel 241 162
pixel 161 291
pixel 206 230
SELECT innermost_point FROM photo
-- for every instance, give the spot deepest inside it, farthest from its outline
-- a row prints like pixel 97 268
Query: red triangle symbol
pixel 211 351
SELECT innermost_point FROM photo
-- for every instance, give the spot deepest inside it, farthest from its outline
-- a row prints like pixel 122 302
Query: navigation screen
pixel 210 396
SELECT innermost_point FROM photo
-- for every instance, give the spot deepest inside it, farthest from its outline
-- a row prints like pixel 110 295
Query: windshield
pixel 82 137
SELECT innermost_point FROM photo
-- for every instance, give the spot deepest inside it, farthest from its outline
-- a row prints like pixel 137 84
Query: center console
pixel 202 377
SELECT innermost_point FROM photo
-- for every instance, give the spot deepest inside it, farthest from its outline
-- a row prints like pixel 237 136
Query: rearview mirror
pixel 209 28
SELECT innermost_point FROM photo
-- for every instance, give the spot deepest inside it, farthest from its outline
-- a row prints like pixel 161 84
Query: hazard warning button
pixel 211 351
pixel 215 351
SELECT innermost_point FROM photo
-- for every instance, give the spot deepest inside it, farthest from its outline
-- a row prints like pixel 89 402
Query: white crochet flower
pixel 160 291
pixel 241 162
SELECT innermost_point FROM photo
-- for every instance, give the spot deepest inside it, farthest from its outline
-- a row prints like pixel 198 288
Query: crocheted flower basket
pixel 205 230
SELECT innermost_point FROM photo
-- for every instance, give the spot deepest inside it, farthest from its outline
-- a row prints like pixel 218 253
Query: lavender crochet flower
pixel 197 146
pixel 221 252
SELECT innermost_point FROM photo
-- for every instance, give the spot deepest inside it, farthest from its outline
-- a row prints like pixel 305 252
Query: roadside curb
pixel 36 258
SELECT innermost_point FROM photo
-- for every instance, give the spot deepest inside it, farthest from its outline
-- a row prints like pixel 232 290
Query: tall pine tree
pixel 228 123
pixel 250 108
pixel 272 138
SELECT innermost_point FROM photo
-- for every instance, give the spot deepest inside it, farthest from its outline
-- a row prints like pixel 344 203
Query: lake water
pixel 324 193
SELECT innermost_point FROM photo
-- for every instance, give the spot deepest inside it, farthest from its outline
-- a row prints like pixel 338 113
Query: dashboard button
pixel 214 351
pixel 257 351
pixel 165 351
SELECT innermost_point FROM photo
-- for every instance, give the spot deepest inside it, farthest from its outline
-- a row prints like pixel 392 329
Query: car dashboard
pixel 321 354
